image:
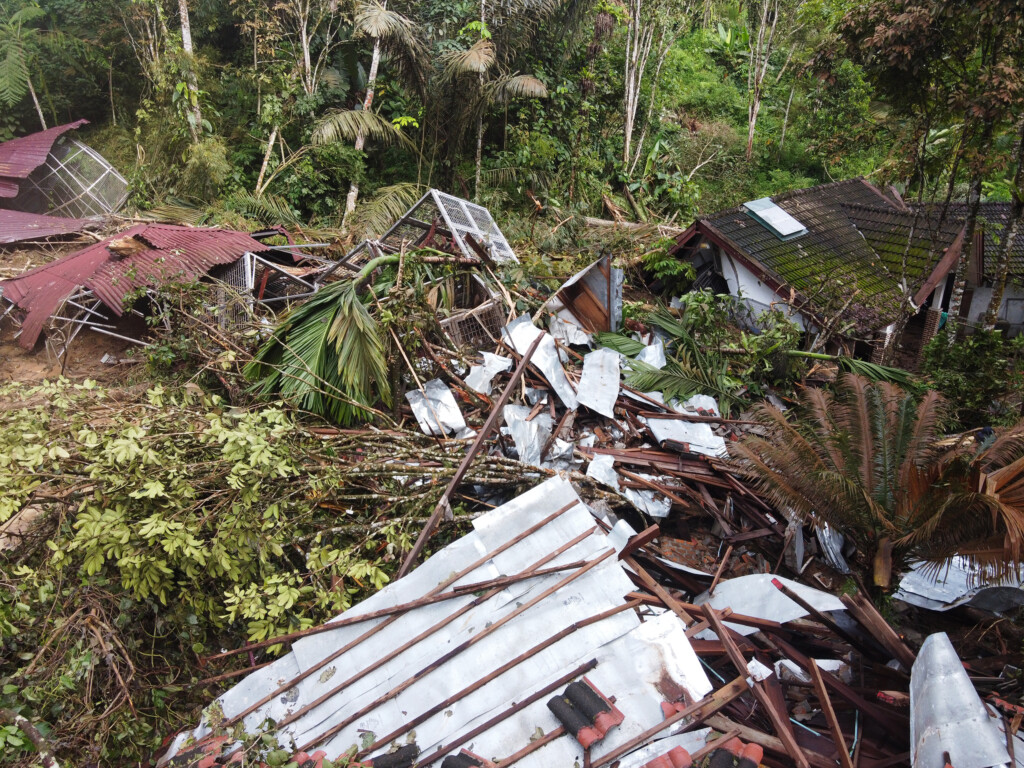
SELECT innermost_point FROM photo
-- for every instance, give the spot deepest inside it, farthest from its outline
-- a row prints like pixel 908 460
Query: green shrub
pixel 981 375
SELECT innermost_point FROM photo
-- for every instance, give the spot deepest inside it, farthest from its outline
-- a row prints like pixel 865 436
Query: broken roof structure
pixel 469 650
pixel 50 184
pixel 439 221
pixel 850 249
pixel 144 256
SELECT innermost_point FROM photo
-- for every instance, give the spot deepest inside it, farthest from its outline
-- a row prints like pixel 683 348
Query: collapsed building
pixel 52 185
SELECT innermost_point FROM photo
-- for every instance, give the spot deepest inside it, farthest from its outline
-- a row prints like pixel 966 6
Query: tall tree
pixel 383 26
pixel 195 122
pixel 1010 234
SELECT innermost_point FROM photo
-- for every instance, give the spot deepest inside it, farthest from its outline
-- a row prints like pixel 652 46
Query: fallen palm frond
pixel 327 356
pixel 677 381
pixel 869 370
pixel 375 216
pixel 621 343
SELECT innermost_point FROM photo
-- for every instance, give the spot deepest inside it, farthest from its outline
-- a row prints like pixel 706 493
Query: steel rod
pixel 444 502
pixel 511 664
pixel 465 645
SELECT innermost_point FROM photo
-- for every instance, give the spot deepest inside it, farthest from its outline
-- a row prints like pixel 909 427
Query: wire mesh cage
pixel 75 181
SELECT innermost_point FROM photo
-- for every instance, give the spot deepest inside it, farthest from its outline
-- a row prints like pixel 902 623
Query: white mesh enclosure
pixel 75 181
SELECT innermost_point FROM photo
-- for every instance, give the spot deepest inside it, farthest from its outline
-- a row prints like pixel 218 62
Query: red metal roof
pixel 19 157
pixel 165 254
pixel 16 226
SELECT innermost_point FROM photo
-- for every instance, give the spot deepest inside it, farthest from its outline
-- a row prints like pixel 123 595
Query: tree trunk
pixel 371 80
pixel 785 120
pixel 1009 236
pixel 35 100
pixel 266 162
pixel 190 74
pixel 480 119
pixel 760 57
pixel 638 48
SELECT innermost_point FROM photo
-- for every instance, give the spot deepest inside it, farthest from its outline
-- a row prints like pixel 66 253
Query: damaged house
pixel 52 185
pixel 854 262
pixel 96 286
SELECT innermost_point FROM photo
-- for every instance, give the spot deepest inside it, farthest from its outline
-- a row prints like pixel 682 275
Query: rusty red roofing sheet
pixel 166 254
pixel 16 226
pixel 19 157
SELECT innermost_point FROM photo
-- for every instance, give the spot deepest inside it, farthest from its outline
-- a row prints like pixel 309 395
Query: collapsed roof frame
pixel 77 182
pixel 468 226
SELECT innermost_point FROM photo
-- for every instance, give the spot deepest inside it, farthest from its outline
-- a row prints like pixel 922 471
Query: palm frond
pixel 624 345
pixel 478 58
pixel 675 381
pixel 178 212
pixel 13 72
pixel 376 21
pixel 347 124
pixel 268 210
pixel 516 87
pixel 325 357
pixel 373 217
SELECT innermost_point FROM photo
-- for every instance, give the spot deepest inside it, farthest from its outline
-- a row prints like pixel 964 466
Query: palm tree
pixel 870 461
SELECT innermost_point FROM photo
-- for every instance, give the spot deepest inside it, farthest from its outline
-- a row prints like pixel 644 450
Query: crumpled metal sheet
pixel 599 384
pixel 437 413
pixel 602 469
pixel 698 436
pixel 531 436
pixel 946 714
pixel 520 334
pixel 564 328
pixel 702 403
pixel 755 595
pixel 960 583
pixel 480 376
pixel 831 542
pixel 654 354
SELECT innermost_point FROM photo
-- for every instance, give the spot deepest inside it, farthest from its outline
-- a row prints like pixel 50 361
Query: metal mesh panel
pixel 476 328
pixel 466 218
pixel 75 181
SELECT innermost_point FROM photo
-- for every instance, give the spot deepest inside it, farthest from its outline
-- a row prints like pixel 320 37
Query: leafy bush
pixel 981 375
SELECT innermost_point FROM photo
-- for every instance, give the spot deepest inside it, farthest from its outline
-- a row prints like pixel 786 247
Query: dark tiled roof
pixel 831 260
pixel 887 230
pixel 994 218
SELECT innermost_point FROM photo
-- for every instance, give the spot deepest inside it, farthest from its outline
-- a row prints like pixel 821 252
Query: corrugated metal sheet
pixel 167 254
pixel 438 673
pixel 16 226
pixel 19 157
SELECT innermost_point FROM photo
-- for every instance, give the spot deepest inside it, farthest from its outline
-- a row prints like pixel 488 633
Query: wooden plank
pixel 865 612
pixel 830 715
pixel 780 720
pixel 722 723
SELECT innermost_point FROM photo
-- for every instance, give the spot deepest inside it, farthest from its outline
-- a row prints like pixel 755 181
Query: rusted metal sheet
pixel 146 255
pixel 16 227
pixel 19 157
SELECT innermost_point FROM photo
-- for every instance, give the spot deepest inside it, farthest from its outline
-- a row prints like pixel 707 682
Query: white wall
pixel 1011 310
pixel 743 282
